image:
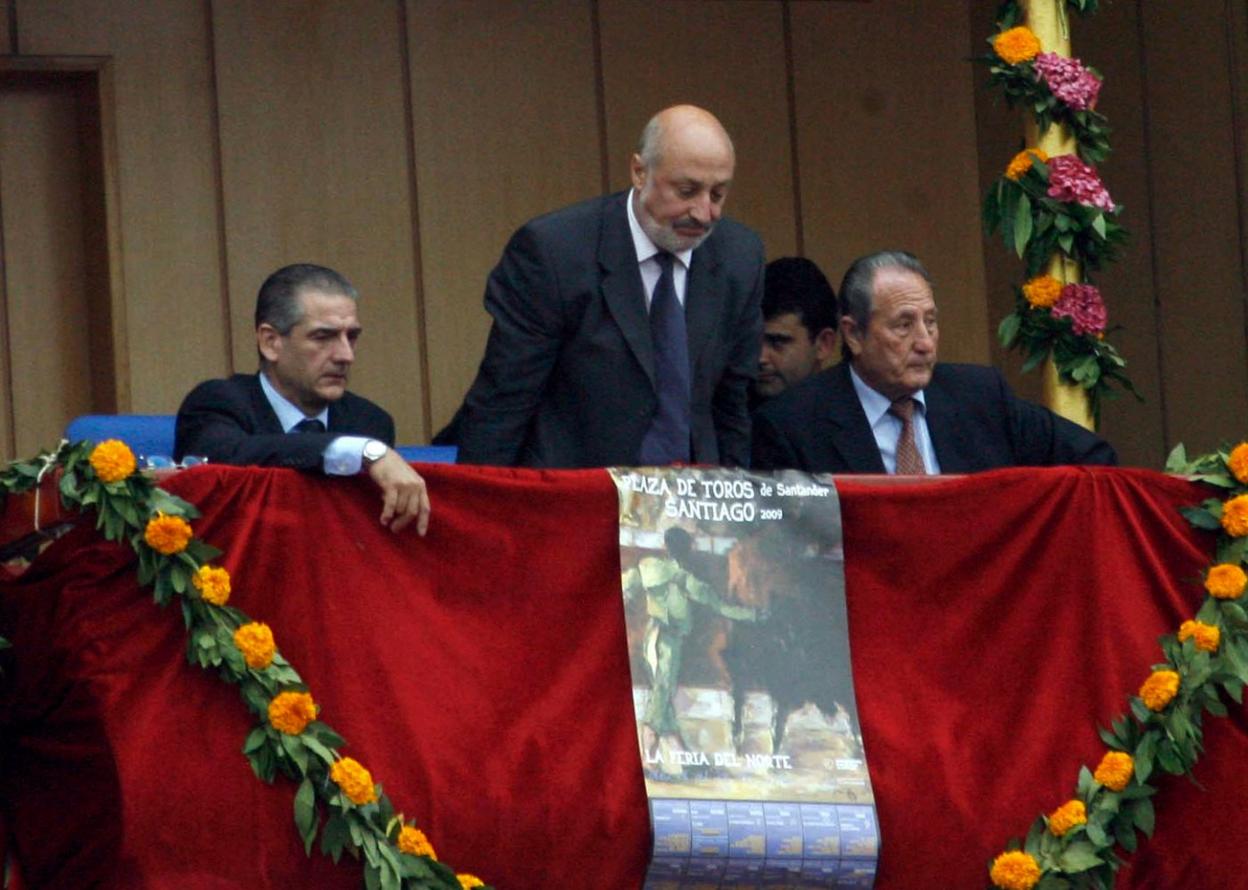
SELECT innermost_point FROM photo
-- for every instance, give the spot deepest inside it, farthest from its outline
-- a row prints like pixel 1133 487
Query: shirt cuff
pixel 344 456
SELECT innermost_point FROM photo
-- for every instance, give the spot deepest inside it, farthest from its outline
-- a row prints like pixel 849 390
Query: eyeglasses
pixel 165 462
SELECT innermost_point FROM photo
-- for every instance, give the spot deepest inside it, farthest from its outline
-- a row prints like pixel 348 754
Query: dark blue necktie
pixel 667 440
pixel 308 425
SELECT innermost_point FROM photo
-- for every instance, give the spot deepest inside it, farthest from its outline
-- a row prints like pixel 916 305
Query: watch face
pixel 374 450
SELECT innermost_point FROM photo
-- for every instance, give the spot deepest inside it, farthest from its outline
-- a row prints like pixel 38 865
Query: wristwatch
pixel 373 452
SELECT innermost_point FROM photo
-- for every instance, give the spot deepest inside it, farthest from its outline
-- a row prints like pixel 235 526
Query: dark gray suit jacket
pixel 568 375
pixel 230 421
pixel 975 421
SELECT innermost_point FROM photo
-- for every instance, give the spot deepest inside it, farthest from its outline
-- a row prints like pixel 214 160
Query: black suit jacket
pixel 975 421
pixel 568 375
pixel 231 422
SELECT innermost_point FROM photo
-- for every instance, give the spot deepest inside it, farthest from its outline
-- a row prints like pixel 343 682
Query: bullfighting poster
pixel 734 596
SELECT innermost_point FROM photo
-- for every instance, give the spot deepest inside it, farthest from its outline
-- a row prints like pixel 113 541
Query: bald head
pixel 681 173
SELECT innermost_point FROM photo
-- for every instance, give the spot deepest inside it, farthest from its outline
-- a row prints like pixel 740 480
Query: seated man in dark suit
pixel 296 412
pixel 626 328
pixel 888 407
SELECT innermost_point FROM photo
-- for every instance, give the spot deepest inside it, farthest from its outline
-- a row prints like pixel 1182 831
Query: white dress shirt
pixel 647 258
pixel 344 456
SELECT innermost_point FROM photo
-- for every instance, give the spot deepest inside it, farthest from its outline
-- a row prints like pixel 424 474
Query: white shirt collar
pixel 287 414
pixel 875 403
pixel 641 241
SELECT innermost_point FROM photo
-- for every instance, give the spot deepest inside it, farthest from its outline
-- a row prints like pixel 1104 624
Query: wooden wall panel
pixel 887 149
pixel 41 198
pixel 314 161
pixel 166 172
pixel 726 57
pixel 1197 233
pixel 1110 42
pixel 6 13
pixel 505 127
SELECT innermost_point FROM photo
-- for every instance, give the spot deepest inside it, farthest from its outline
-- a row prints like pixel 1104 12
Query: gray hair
pixel 278 304
pixel 858 286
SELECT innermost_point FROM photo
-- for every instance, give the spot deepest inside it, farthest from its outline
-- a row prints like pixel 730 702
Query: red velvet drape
pixel 481 674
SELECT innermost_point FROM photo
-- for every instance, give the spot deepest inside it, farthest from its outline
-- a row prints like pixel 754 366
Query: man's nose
pixel 705 210
pixel 344 350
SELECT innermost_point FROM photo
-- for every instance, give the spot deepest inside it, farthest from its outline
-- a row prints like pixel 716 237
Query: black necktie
pixel 308 425
pixel 667 440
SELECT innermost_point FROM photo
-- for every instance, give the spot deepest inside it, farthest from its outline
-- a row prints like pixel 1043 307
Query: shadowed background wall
pixel 159 157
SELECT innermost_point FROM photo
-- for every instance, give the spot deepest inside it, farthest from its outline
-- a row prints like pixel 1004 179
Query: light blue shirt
pixel 342 457
pixel 886 427
pixel 648 260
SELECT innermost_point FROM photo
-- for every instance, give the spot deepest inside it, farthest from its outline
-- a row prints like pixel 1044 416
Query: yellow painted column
pixel 1050 23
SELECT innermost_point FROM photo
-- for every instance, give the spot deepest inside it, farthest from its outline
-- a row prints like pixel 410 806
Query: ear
pixel 268 341
pixel 851 334
pixel 637 171
pixel 825 347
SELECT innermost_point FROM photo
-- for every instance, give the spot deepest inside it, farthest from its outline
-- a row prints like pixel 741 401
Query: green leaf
pixel 1022 224
pixel 255 740
pixel 306 816
pixel 1143 757
pixel 1007 331
pixel 1200 517
pixel 311 743
pixel 1143 815
pixel 294 748
pixel 334 837
pixel 1079 856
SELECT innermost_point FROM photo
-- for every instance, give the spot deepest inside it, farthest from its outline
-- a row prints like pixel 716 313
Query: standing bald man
pixel 626 328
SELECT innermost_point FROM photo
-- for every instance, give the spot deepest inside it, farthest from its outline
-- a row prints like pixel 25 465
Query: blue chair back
pixel 146 434
pixel 428 454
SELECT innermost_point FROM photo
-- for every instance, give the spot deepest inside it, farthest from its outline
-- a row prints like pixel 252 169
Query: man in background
pixel 890 408
pixel 799 326
pixel 625 328
pixel 296 412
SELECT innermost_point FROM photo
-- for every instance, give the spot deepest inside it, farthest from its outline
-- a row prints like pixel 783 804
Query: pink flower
pixel 1068 80
pixel 1073 181
pixel 1082 304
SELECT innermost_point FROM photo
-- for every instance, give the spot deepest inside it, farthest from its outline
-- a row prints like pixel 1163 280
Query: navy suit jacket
pixel 230 421
pixel 975 421
pixel 568 376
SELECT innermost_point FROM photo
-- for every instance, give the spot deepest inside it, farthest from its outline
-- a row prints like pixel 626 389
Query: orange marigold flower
pixel 412 840
pixel 1115 770
pixel 1226 581
pixel 1238 462
pixel 1021 163
pixel 467 881
pixel 1042 291
pixel 355 781
pixel 1235 516
pixel 1067 816
pixel 1015 870
pixel 291 712
pixel 167 534
pixel 255 641
pixel 1207 636
pixel 1159 689
pixel 112 460
pixel 1016 45
pixel 213 584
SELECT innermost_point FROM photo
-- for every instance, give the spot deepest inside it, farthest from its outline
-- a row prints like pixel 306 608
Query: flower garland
pixel 1073 846
pixel 288 738
pixel 1048 207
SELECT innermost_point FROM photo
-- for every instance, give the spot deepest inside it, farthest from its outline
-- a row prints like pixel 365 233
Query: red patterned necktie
pixel 909 461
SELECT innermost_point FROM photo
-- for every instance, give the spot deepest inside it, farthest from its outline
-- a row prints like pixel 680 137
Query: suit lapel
pixel 702 307
pixel 622 288
pixel 261 410
pixel 845 424
pixel 943 425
